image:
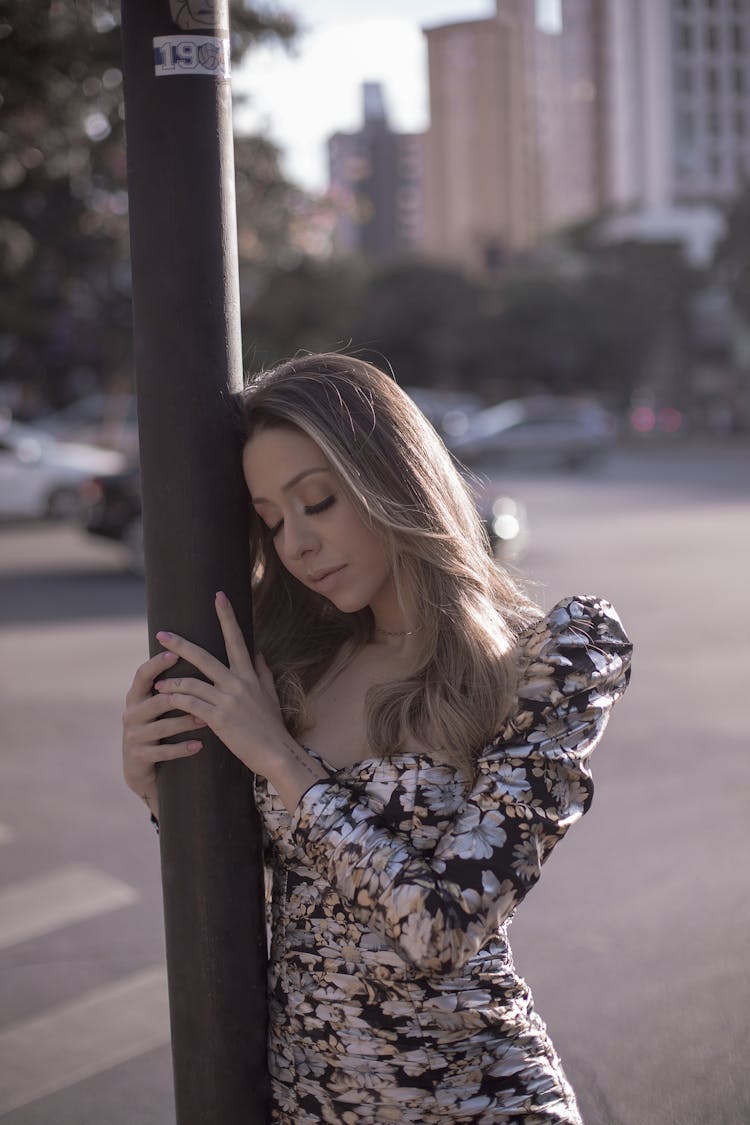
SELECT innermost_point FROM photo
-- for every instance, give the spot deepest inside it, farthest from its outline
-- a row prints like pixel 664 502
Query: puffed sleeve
pixel 532 784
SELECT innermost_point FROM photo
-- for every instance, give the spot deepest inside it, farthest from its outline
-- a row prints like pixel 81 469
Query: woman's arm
pixel 532 785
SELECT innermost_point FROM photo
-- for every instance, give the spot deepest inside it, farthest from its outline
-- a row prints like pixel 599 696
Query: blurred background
pixel 537 212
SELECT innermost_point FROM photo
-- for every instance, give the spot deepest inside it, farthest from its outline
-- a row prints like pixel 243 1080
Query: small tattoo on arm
pixel 300 755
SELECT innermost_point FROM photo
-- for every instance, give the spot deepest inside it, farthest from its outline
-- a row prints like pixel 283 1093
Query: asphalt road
pixel 635 942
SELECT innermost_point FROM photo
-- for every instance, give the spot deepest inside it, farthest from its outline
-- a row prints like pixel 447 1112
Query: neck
pixel 395 618
pixel 398 632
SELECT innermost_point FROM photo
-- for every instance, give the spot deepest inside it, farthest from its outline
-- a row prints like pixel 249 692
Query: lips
pixel 321 574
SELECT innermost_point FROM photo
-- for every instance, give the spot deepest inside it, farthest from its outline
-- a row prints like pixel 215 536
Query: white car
pixel 40 476
pixel 107 420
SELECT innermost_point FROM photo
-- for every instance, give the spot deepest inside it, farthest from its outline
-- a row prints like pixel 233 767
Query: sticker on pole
pixel 188 55
pixel 200 13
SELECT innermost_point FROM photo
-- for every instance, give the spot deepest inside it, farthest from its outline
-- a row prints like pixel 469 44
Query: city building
pixel 375 184
pixel 477 199
pixel 513 148
pixel 555 111
pixel 675 116
pixel 709 155
pixel 673 91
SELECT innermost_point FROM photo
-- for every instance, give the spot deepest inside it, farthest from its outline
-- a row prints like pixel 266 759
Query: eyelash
pixel 310 510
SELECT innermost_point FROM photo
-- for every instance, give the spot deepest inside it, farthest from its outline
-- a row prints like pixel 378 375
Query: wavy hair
pixel 404 485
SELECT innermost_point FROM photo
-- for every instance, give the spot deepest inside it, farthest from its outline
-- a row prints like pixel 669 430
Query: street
pixel 635 943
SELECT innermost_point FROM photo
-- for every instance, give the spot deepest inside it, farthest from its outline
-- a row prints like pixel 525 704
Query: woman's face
pixel 318 535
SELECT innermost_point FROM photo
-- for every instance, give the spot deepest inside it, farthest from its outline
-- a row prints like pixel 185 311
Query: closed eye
pixel 310 510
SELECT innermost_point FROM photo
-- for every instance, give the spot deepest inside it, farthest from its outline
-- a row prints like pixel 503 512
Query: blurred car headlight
pixel 506 526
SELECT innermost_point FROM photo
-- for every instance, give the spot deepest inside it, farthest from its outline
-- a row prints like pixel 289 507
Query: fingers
pixel 137 714
pixel 265 675
pixel 196 697
pixel 146 725
pixel 237 654
pixel 198 708
pixel 187 685
pixel 141 751
pixel 147 673
pixel 211 668
pixel 168 728
pixel 173 750
pixel 141 760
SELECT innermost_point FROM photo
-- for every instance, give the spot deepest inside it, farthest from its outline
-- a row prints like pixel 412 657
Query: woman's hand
pixel 144 725
pixel 239 704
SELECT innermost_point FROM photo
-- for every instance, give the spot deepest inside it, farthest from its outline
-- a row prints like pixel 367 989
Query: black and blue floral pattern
pixel 392 990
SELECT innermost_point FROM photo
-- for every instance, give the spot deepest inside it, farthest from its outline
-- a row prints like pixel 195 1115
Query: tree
pixel 309 306
pixel 414 313
pixel 64 276
pixel 597 318
pixel 733 253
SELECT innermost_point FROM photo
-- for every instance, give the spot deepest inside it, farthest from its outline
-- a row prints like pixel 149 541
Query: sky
pixel 300 98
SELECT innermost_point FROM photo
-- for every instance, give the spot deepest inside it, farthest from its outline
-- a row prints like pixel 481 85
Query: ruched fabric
pixel 393 994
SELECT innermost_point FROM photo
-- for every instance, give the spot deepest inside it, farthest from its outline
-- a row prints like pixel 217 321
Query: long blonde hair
pixel 403 483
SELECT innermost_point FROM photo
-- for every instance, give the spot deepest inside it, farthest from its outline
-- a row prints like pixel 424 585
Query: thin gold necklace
pixel 403 633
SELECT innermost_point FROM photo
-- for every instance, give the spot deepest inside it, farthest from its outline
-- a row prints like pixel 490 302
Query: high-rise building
pixel 676 115
pixel 555 111
pixel 513 144
pixel 710 97
pixel 375 178
pixel 477 197
pixel 677 86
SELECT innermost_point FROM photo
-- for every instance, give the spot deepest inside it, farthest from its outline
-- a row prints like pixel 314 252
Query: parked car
pixel 448 411
pixel 40 477
pixel 111 507
pixel 108 420
pixel 539 430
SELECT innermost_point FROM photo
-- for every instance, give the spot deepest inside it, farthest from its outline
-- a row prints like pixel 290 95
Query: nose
pixel 299 538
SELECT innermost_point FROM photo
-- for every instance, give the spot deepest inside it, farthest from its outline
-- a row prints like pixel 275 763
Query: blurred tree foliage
pixel 64 274
pixel 417 315
pixel 598 327
pixel 733 253
pixel 408 314
pixel 574 316
pixel 309 306
pixel 590 320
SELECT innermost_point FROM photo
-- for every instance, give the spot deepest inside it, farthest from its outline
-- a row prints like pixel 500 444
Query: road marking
pixel 76 1040
pixel 6 833
pixel 48 902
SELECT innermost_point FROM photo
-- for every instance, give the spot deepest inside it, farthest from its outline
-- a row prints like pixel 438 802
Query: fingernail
pixel 168 655
pixel 194 745
pixel 222 599
pixel 163 634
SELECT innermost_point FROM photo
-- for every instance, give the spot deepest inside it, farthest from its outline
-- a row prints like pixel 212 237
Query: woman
pixel 419 736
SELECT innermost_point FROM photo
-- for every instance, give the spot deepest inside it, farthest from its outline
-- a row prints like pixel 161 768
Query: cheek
pixel 370 549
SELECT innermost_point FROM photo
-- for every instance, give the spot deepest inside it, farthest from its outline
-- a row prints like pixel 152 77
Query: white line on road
pixel 74 1041
pixel 48 902
pixel 6 833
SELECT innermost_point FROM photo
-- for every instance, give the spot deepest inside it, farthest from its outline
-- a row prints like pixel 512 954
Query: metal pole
pixel 188 362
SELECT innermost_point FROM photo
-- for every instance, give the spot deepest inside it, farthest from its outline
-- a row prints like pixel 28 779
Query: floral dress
pixel 392 991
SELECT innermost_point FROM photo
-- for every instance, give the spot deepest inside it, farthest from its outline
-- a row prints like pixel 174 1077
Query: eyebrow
pixel 291 483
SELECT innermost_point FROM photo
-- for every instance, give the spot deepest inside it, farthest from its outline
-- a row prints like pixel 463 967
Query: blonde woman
pixel 419 736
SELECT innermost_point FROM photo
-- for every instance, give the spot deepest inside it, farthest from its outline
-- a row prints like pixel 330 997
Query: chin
pixel 347 604
pixel 347 600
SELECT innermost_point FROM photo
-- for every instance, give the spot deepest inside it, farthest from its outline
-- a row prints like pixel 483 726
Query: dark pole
pixel 188 363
